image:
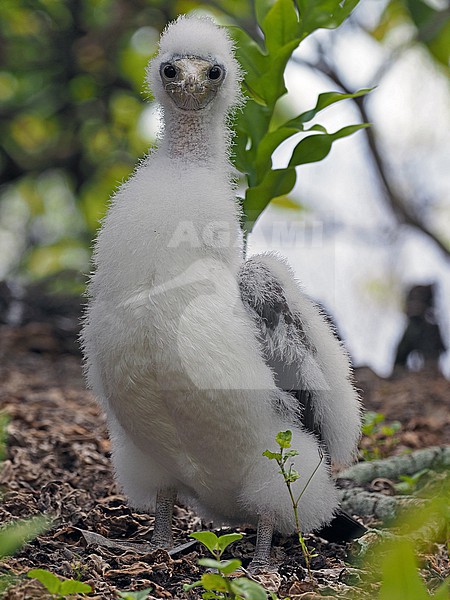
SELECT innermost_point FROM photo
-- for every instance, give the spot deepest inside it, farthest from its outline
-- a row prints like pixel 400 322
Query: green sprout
pixel 376 432
pixel 15 534
pixel 290 476
pixel 219 585
pixel 57 587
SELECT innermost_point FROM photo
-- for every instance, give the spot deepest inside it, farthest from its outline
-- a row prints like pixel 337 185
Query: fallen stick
pixel 358 501
pixel 435 457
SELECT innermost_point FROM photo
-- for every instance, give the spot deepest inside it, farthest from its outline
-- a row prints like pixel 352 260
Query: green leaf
pixel 348 130
pixel 48 580
pixel 277 182
pixel 271 83
pixel 14 535
pixel 186 586
pixel 315 148
pixel 266 147
pixel 227 539
pixel 250 590
pixel 323 101
pixel 253 62
pixel 255 120
pixel 292 476
pixel 211 563
pixel 291 453
pixel 410 482
pixel 317 127
pixel 229 566
pixel 272 455
pixel 208 539
pixel 71 586
pixel 400 577
pixel 391 428
pixel 213 581
pixel 262 7
pixel 284 438
pixel 371 420
pixel 421 13
pixel 319 14
pixel 224 566
pixel 280 25
pixel 439 44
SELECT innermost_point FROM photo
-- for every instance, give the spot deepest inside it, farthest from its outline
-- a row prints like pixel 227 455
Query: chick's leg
pixel 261 558
pixel 162 532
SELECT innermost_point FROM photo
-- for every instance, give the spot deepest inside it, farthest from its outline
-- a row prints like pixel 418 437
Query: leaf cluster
pixel 392 565
pixel 14 535
pixel 378 432
pixel 283 439
pixel 284 24
pixel 431 22
pixel 219 585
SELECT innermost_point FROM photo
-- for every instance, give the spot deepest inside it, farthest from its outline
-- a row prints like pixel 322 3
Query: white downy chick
pixel 178 349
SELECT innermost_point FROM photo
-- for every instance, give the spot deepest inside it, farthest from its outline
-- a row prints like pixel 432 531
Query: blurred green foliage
pixel 284 25
pixel 401 566
pixel 15 534
pixel 71 102
pixel 429 24
pixel 74 121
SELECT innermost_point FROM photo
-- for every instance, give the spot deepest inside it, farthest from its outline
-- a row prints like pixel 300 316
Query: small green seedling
pixel 290 475
pixel 409 483
pixel 142 595
pixel 17 533
pixel 57 587
pixel 398 563
pixel 220 586
pixel 377 433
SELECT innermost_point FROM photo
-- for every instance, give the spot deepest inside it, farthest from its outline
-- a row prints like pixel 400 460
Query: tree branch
pixel 398 204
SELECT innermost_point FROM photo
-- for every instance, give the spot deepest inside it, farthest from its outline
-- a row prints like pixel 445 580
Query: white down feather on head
pixel 200 35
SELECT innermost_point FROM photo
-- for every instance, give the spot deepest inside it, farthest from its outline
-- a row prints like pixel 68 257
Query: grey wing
pixel 282 335
pixel 307 359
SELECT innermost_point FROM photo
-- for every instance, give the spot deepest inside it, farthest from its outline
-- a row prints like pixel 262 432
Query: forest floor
pixel 57 463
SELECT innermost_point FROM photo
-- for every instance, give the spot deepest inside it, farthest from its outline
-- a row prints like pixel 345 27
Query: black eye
pixel 215 73
pixel 169 72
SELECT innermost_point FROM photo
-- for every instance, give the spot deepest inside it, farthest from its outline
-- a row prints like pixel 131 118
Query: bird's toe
pixel 258 567
pixel 161 542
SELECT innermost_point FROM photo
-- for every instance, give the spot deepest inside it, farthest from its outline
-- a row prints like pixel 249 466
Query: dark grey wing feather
pixel 265 300
pixel 305 400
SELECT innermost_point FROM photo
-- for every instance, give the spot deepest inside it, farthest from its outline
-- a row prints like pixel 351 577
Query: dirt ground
pixel 57 463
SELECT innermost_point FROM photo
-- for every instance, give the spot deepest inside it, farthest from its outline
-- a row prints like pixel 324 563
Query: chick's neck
pixel 199 137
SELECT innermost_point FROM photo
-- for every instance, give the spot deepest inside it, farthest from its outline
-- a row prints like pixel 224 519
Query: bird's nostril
pixel 191 83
